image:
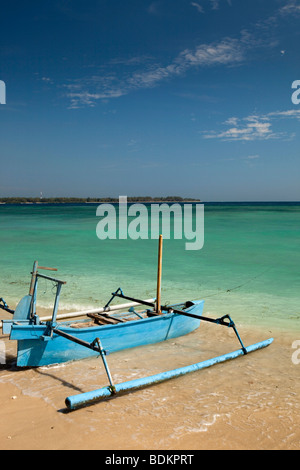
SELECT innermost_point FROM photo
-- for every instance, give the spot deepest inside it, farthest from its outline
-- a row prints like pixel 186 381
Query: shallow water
pixel 249 267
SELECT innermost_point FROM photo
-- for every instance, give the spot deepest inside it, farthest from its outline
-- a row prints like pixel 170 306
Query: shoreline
pixel 148 201
pixel 64 201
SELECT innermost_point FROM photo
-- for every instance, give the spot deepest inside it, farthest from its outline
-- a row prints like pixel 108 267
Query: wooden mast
pixel 159 269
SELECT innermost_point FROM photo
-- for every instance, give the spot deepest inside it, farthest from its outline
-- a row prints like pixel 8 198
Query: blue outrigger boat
pixel 46 341
pixel 43 342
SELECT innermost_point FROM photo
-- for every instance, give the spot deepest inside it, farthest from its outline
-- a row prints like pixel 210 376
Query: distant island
pixel 77 200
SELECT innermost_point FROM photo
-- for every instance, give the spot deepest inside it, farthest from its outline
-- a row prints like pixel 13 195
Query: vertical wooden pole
pixel 159 269
pixel 33 277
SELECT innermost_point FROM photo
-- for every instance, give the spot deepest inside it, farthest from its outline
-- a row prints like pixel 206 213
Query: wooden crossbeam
pixel 105 318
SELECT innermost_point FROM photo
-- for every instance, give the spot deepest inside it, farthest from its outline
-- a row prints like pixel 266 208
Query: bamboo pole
pixel 159 270
pixel 33 277
pixel 95 310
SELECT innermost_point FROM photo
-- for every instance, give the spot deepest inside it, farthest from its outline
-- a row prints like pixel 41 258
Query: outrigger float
pixel 44 341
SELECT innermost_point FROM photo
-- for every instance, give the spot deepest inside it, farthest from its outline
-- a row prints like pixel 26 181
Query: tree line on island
pixel 77 200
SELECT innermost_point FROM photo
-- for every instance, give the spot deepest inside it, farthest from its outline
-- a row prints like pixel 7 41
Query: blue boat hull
pixel 36 348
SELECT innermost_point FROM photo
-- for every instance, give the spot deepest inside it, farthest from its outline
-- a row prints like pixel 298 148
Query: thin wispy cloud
pixel 198 7
pixel 210 5
pixel 252 157
pixel 253 127
pixel 47 80
pixel 291 113
pixel 215 4
pixel 86 91
pixel 141 73
pixel 228 51
pixel 249 160
pixel 249 128
pixel 291 7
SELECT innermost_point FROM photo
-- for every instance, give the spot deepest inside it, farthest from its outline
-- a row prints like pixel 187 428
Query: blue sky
pixel 190 98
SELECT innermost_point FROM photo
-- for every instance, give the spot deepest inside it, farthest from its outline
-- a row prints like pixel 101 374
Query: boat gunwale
pixel 120 325
pixel 42 326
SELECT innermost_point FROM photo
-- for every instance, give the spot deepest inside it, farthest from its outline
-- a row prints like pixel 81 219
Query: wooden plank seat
pixel 105 319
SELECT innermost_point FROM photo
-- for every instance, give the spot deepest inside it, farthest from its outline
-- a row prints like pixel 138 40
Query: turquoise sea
pixel 248 266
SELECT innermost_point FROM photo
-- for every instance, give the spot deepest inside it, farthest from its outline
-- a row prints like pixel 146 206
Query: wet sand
pixel 249 403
